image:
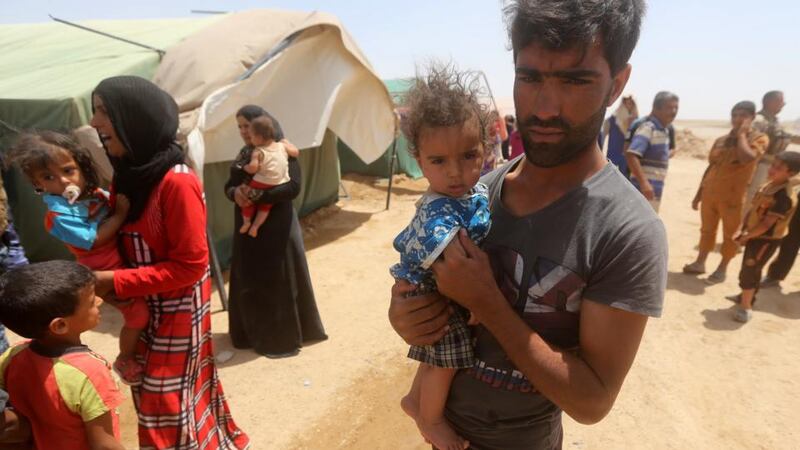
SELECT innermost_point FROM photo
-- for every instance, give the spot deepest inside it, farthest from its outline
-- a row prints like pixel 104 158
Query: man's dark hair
pixel 746 106
pixel 662 98
pixel 791 159
pixel 569 24
pixel 263 127
pixel 769 96
pixel 32 296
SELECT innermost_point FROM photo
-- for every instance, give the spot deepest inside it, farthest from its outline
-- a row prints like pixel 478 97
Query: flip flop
pixel 694 269
pixel 716 278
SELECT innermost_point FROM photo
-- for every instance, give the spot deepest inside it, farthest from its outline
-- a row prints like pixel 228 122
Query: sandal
pixel 694 268
pixel 716 277
pixel 743 315
pixel 129 371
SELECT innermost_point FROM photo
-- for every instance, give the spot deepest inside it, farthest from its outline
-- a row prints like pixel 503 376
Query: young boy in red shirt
pixel 63 388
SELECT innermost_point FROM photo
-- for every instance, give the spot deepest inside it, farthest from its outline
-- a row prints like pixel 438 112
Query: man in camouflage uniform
pixel 779 138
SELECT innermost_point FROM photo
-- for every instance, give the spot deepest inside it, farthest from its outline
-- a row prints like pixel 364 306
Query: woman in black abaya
pixel 272 306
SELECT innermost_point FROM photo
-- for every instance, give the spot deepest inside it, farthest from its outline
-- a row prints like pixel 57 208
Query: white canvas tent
pixel 305 69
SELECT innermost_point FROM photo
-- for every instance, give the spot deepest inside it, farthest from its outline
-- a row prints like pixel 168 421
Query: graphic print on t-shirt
pixel 549 303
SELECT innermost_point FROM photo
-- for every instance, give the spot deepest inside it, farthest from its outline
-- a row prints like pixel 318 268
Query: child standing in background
pixel 765 224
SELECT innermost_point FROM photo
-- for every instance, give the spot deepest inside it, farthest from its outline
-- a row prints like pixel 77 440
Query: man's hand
pixel 744 128
pixel 741 238
pixel 465 275
pixel 240 196
pixel 647 190
pixel 16 429
pixel 420 320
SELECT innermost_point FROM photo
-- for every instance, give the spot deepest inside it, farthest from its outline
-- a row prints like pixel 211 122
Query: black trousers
pixel 756 254
pixel 790 245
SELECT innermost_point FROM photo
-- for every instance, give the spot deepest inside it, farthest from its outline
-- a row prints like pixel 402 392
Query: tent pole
pixel 391 166
pixel 486 80
pixel 216 269
pixel 160 52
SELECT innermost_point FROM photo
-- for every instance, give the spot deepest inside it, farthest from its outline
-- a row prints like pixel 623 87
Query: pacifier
pixel 71 193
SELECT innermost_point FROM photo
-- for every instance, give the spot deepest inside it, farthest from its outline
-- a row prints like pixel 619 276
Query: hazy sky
pixel 712 53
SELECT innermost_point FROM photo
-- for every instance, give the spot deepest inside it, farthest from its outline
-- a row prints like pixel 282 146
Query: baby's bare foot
pixel 253 232
pixel 441 435
pixel 244 228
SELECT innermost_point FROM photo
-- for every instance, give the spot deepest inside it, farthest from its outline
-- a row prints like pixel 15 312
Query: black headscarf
pixel 250 112
pixel 145 119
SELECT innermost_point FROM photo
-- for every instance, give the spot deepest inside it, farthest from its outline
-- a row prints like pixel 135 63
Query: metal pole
pixel 491 96
pixel 205 11
pixel 216 270
pixel 391 165
pixel 160 52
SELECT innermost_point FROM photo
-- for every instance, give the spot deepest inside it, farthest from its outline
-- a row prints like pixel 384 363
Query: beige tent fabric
pixel 322 80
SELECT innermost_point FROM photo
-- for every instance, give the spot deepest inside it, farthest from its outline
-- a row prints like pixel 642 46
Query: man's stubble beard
pixel 577 139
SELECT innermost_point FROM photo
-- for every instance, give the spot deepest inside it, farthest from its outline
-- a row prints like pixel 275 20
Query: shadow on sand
pixel 688 284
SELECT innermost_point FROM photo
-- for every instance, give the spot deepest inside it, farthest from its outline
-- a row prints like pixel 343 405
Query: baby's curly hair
pixel 444 97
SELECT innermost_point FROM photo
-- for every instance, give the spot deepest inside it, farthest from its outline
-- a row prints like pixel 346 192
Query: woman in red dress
pixel 180 402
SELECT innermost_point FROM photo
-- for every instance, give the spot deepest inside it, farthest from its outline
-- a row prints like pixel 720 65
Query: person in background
pixel 515 144
pixel 510 127
pixel 787 254
pixel 649 153
pixel 492 152
pixel 779 138
pixel 12 255
pixel 269 166
pixel 615 129
pixel 635 126
pixel 721 194
pixel 272 305
pixel 764 226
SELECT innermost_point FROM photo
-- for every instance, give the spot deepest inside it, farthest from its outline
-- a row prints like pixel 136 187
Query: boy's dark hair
pixel 791 159
pixel 746 106
pixel 769 96
pixel 263 127
pixel 36 149
pixel 32 296
pixel 568 24
pixel 444 97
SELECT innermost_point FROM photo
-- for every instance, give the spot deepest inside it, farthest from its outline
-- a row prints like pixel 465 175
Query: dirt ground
pixel 700 380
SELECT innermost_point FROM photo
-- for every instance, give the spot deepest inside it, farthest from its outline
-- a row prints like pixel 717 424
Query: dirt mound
pixel 687 144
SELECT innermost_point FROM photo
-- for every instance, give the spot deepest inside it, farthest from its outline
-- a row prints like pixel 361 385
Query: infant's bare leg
pixel 261 217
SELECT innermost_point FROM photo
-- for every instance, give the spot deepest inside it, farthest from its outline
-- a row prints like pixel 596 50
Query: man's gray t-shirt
pixel 601 241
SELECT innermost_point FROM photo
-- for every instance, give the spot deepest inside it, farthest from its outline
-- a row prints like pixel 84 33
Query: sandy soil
pixel 701 380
